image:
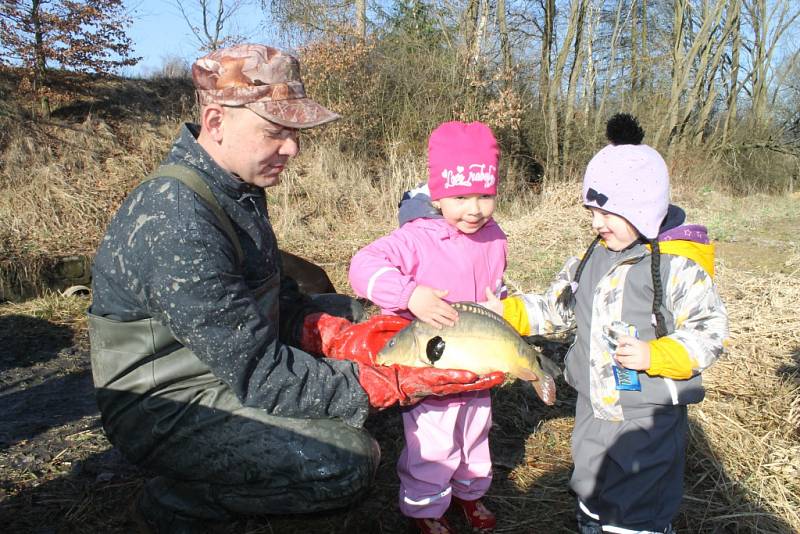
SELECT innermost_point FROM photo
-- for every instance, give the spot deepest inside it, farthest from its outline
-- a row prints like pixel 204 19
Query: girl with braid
pixel 652 277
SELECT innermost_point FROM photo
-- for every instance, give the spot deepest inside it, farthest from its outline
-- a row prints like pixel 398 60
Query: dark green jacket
pixel 166 256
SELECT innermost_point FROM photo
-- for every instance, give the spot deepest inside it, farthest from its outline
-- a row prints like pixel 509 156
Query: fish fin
pixel 525 374
pixel 546 389
pixel 477 309
pixel 548 366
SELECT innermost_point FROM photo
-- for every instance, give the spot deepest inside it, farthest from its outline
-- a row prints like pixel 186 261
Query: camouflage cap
pixel 261 78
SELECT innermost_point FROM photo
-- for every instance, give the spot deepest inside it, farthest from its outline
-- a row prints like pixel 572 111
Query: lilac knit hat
pixel 627 178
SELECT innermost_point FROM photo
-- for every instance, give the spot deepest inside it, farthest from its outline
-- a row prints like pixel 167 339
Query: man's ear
pixel 211 121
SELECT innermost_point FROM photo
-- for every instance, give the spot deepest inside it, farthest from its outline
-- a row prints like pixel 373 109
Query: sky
pixel 159 32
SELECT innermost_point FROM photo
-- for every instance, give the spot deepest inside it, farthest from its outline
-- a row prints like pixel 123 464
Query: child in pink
pixel 449 254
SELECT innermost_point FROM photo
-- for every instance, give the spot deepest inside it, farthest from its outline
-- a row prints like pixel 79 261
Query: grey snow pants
pixel 630 473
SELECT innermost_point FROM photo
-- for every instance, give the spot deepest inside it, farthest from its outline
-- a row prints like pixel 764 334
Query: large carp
pixel 481 341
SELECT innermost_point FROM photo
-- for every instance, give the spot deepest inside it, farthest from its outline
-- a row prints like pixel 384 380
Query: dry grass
pixel 744 457
pixel 61 181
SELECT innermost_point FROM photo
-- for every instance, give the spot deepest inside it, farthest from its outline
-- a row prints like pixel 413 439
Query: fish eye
pixel 435 349
pixel 392 343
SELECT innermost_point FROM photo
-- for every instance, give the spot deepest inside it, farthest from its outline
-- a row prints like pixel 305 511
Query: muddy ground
pixel 61 475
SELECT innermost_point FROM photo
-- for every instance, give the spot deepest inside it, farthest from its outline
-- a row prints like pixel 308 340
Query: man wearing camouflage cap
pixel 194 330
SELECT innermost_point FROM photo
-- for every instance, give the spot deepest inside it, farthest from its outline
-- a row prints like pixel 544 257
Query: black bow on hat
pixel 592 195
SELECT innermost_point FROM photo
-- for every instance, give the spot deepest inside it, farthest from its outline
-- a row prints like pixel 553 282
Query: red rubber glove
pixel 338 338
pixel 386 385
pixel 363 341
pixel 318 331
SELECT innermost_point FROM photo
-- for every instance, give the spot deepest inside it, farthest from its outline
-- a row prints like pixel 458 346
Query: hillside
pixel 63 176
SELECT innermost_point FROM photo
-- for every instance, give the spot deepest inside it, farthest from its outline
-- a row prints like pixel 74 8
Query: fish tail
pixel 546 389
pixel 548 366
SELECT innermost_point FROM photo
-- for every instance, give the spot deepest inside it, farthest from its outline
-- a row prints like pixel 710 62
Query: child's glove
pixel 337 338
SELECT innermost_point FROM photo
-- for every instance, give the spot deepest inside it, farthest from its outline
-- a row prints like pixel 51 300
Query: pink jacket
pixel 429 252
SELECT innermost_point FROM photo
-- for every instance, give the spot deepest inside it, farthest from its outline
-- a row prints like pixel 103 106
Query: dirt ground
pixel 61 475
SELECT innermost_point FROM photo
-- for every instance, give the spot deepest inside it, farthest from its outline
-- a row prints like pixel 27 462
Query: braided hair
pixel 658 291
pixel 567 297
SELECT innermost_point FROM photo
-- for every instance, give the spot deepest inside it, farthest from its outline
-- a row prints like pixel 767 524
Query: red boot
pixel 478 516
pixel 433 526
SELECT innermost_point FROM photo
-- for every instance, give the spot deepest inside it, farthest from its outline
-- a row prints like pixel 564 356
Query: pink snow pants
pixel 446 452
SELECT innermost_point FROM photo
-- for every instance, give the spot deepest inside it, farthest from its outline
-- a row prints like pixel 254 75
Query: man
pixel 193 330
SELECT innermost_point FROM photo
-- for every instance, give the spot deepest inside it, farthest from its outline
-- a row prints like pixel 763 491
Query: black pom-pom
pixel 624 129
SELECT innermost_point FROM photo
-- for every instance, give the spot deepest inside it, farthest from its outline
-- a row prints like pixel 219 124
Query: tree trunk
pixel 574 76
pixel 710 65
pixel 361 20
pixel 678 68
pixel 601 106
pixel 505 47
pixel 547 43
pixel 470 29
pixel 590 82
pixel 40 59
pixel 700 57
pixel 766 40
pixel 733 84
pixel 552 119
pixel 480 34
pixel 634 66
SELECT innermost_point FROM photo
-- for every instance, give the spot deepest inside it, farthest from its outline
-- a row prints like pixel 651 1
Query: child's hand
pixel 427 305
pixel 633 353
pixel 492 302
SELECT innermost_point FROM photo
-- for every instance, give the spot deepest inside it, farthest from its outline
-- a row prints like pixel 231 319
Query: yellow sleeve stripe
pixel 670 359
pixel 514 312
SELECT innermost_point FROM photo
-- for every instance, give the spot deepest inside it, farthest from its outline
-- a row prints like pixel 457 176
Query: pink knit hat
pixel 629 180
pixel 462 160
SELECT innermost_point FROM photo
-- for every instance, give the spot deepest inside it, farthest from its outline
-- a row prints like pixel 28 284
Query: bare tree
pixel 578 57
pixel 620 19
pixel 684 60
pixel 305 20
pixel 471 33
pixel 548 36
pixel 553 95
pixel 733 85
pixel 769 23
pixel 505 46
pixel 209 21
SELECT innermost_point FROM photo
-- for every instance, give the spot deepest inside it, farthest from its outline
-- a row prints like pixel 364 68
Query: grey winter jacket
pixel 618 286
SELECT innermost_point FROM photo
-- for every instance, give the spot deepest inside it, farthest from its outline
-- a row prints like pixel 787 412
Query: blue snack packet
pixel 625 379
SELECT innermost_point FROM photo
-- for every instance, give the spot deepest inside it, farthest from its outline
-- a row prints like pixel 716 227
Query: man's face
pixel 254 149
